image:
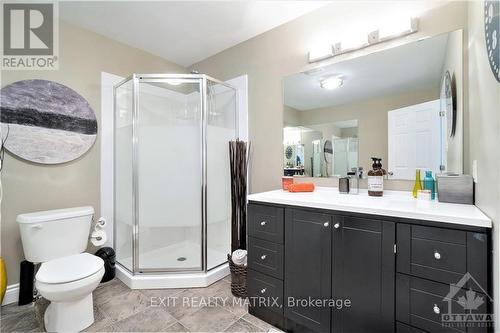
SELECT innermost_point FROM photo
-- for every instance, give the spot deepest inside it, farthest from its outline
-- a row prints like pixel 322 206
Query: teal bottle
pixel 429 184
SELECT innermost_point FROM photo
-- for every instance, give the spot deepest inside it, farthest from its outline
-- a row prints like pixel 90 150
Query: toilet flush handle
pixel 36 227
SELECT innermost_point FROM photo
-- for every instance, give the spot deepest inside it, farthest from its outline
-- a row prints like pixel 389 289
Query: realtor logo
pixel 474 304
pixel 29 36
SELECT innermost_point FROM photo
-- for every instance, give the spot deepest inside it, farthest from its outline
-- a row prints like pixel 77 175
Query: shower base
pixel 177 256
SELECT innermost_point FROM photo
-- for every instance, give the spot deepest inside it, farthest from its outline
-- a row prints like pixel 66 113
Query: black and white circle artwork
pixel 492 35
pixel 46 122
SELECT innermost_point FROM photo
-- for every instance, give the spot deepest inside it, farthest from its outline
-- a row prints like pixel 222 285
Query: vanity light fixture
pixel 331 83
pixel 320 52
pixel 377 36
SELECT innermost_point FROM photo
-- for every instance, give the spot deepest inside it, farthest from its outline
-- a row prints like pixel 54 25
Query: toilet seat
pixel 69 269
pixel 71 303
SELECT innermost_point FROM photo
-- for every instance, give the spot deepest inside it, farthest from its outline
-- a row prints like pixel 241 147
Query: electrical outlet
pixel 474 170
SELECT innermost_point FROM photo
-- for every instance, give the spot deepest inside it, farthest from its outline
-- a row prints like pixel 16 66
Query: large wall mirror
pixel 402 104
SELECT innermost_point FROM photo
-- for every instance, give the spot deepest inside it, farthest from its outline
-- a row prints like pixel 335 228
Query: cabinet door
pixel 308 260
pixel 363 273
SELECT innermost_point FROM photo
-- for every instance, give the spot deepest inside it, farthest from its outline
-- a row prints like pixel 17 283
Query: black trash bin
pixel 109 256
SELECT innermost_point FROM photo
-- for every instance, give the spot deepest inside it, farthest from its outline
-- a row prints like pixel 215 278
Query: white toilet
pixel 67 276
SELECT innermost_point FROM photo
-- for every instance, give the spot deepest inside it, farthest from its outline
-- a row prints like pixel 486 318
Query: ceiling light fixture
pixel 400 28
pixel 331 83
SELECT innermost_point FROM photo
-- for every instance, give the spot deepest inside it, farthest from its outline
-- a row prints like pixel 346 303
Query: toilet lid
pixel 69 269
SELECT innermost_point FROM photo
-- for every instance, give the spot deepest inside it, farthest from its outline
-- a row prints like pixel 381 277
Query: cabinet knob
pixel 326 224
pixel 263 257
pixel 436 309
pixel 263 223
pixel 437 255
pixel 263 291
pixel 336 225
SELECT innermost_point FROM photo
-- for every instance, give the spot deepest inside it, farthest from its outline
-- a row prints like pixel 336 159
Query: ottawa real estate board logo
pixel 468 305
pixel 29 36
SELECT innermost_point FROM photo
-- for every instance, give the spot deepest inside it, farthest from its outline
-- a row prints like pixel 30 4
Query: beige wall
pixel 484 127
pixel 372 120
pixel 32 187
pixel 282 51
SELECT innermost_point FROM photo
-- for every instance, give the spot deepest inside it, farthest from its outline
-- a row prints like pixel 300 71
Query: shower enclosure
pixel 172 202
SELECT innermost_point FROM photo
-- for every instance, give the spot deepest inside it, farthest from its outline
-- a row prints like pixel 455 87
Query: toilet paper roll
pixel 98 237
pixel 100 224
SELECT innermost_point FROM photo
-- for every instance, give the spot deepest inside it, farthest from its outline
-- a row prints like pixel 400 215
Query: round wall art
pixel 492 35
pixel 46 122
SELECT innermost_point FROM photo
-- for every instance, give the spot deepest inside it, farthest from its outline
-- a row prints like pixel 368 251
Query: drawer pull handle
pixel 263 291
pixel 263 257
pixel 326 224
pixel 437 255
pixel 263 223
pixel 336 225
pixel 436 309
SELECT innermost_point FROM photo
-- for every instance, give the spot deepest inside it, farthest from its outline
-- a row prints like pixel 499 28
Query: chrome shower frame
pixel 202 80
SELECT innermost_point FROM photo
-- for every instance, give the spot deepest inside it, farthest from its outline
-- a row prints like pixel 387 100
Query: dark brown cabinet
pixel 363 273
pixel 308 267
pixel 337 272
pixel 436 268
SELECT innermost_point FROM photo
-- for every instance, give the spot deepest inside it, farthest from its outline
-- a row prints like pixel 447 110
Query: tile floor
pixel 120 309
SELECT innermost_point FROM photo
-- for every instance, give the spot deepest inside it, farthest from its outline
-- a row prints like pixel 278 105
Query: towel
pixel 301 187
pixel 239 257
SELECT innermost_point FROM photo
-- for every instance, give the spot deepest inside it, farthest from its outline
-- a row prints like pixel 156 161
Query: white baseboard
pixel 12 294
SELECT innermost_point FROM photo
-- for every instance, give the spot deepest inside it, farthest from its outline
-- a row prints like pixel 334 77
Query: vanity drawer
pixel 265 257
pixel 266 222
pixel 265 291
pixel 427 255
pixel 441 254
pixel 421 303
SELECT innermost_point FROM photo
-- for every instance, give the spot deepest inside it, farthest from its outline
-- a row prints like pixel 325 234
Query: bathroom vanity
pixel 368 264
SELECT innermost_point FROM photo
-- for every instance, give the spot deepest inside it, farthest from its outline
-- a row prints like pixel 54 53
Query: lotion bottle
pixel 376 179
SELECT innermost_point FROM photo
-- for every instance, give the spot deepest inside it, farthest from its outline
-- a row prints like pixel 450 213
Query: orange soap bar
pixel 301 187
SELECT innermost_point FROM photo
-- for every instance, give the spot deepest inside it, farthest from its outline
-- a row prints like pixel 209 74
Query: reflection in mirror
pixel 323 150
pixel 402 104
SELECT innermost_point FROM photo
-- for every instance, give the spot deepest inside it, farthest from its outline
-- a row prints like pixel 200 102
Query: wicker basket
pixel 238 278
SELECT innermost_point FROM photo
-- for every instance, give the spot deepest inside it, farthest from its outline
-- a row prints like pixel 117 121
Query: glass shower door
pixel 221 128
pixel 123 175
pixel 169 174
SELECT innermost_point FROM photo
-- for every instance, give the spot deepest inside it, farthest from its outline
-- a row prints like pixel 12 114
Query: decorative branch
pixel 238 167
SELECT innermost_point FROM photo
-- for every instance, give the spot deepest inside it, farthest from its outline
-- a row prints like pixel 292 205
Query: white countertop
pixel 393 203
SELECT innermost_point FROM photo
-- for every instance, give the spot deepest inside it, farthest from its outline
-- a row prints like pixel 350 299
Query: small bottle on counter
pixel 376 179
pixel 429 184
pixel 418 184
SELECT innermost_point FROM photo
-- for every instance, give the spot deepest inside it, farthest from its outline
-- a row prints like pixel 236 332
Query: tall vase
pixel 418 183
pixel 3 279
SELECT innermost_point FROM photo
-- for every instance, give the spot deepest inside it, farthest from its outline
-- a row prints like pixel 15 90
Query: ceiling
pixel 414 66
pixel 183 32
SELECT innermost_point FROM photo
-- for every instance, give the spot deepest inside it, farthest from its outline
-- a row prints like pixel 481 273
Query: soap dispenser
pixel 376 179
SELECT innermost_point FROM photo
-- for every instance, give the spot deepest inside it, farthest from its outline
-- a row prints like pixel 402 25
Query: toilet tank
pixel 56 233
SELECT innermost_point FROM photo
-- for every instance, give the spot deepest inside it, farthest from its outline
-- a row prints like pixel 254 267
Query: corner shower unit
pixel 172 204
